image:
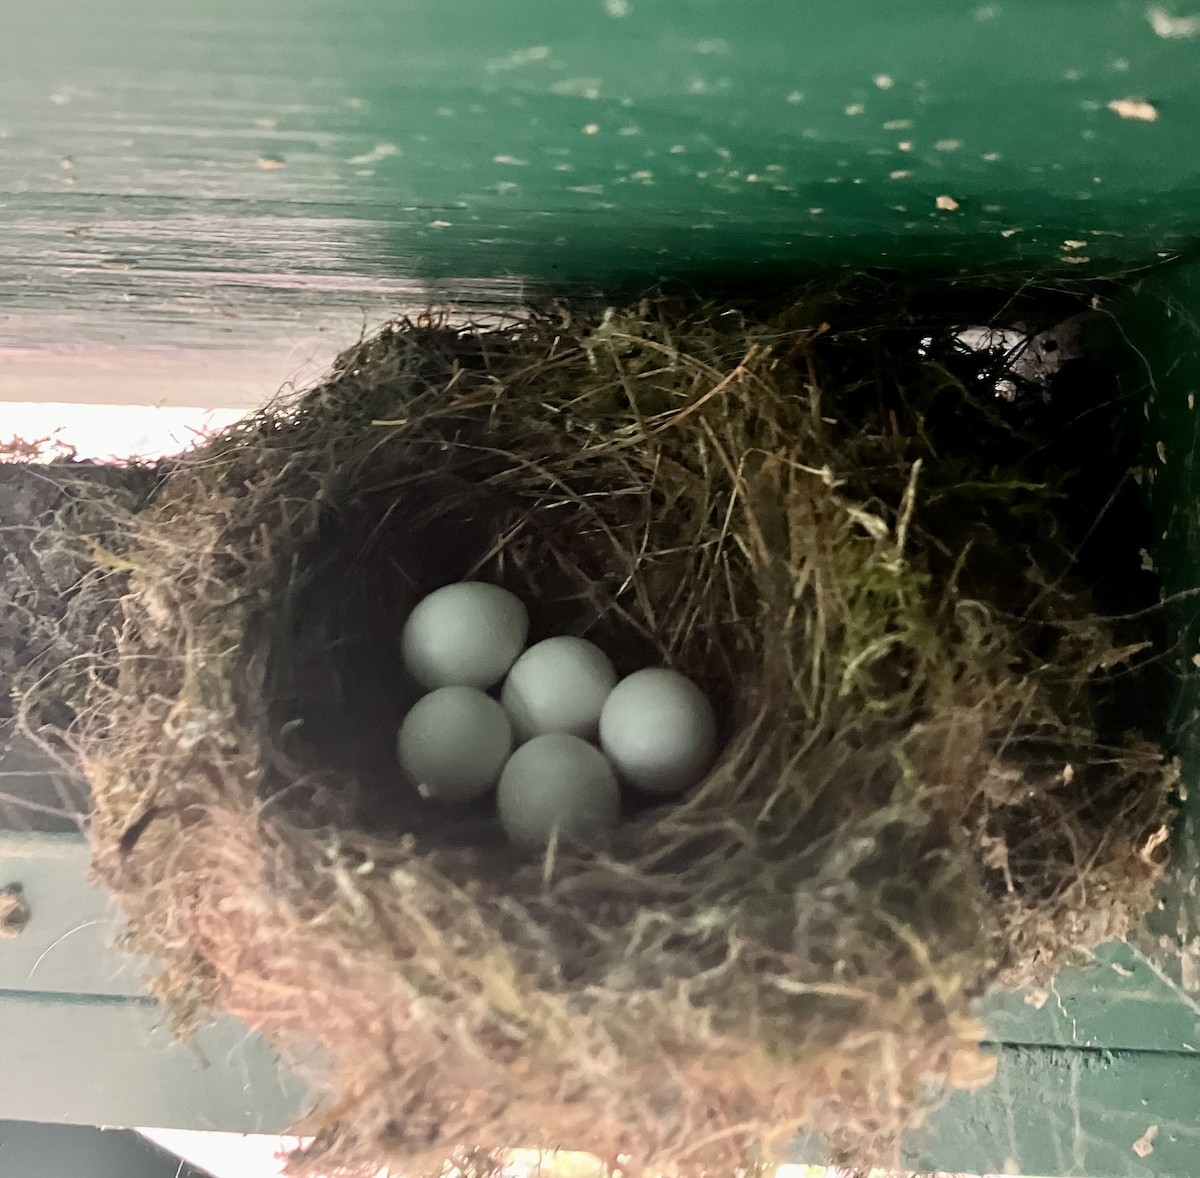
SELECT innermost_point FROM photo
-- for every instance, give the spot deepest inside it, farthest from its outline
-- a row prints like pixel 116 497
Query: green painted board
pixel 210 171
pixel 95 1061
pixel 1061 1111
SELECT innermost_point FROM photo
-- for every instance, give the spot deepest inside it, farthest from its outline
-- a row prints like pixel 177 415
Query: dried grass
pixel 858 557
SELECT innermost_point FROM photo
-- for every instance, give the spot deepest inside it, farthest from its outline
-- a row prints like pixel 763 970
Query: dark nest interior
pixel 903 565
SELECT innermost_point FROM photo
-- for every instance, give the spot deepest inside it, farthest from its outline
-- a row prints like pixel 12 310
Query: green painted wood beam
pixel 212 169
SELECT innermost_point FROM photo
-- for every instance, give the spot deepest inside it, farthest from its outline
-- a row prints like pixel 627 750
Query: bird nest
pixel 823 515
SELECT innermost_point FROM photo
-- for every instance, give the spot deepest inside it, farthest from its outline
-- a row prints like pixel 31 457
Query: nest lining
pixel 867 563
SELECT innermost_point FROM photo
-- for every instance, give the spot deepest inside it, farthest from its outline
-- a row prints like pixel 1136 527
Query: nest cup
pixel 858 553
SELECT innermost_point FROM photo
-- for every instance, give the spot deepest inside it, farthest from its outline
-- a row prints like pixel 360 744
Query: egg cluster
pixel 559 736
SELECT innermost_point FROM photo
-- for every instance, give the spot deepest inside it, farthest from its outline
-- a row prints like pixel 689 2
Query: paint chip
pixel 1144 1145
pixel 1134 108
pixel 884 81
pixel 1172 27
pixel 947 203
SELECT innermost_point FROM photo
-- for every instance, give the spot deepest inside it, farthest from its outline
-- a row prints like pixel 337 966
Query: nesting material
pixel 814 515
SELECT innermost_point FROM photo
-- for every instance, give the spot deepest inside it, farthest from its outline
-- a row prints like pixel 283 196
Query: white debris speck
pixel 1134 108
pixel 1172 27
pixel 795 97
pixel 815 212
pixel 591 129
pixel 855 108
pixel 577 88
pixel 905 145
pixel 643 177
pixel 587 189
pixel 630 131
pixel 884 81
pixel 947 145
pixel 899 174
pixel 617 8
pixel 712 46
pixel 510 161
pixel 947 203
pixel 1008 232
pixel 987 12
pixel 1076 260
pixel 1072 245
pixel 518 58
pixel 381 151
pixel 1191 400
pixel 441 224
pixel 1160 448
pixel 897 124
pixel 990 157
